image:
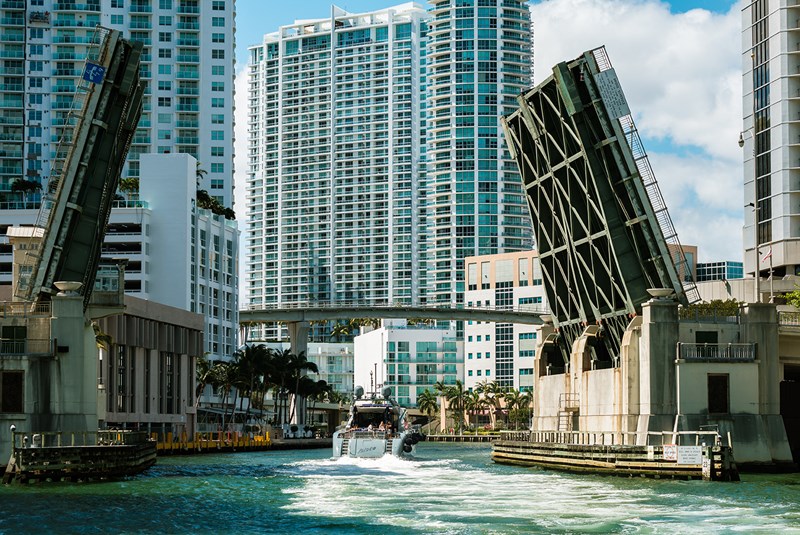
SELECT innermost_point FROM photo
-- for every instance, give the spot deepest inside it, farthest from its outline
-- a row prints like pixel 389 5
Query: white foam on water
pixel 450 495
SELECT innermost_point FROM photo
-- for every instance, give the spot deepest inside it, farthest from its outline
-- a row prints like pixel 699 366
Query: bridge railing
pixel 618 438
pixel 718 352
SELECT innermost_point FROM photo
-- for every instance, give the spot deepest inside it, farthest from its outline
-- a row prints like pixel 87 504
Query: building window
pixel 164 101
pixel 164 85
pixel 218 22
pixel 218 5
pixel 218 135
pixel 217 53
pixel 217 151
pixel 718 393
pixel 218 70
pixel 164 37
pixel 217 102
pixel 11 398
pixel 217 168
pixel 165 4
pixel 217 37
pixel 37 33
pixel 118 19
pixel 165 20
pixel 165 69
pixel 217 118
pixel 217 183
pixel 217 86
pixel 165 53
pixel 119 4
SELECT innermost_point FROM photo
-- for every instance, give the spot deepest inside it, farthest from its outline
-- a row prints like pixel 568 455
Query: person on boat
pixel 382 427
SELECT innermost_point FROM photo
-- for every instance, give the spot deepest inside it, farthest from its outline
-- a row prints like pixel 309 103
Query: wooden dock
pixel 78 456
pixel 575 452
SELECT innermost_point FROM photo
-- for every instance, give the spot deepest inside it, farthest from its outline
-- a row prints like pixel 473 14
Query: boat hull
pixel 371 445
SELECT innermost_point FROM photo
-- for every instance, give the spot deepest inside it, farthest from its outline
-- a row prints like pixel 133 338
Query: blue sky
pixel 680 67
pixel 252 22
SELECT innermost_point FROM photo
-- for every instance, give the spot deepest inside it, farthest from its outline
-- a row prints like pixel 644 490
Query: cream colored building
pixel 676 375
pixel 502 352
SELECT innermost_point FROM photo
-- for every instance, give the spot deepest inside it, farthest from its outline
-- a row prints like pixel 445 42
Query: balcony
pixel 717 352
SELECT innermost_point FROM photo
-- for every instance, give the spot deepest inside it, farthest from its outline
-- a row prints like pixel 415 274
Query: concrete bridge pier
pixel 298 336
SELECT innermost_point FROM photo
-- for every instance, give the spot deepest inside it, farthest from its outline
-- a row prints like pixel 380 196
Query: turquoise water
pixel 446 488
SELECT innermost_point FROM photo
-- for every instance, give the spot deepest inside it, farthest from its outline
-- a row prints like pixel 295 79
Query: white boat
pixel 376 426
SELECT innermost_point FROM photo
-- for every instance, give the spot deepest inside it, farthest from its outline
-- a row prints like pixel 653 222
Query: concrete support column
pixel 74 381
pixel 298 336
pixel 760 325
pixel 658 389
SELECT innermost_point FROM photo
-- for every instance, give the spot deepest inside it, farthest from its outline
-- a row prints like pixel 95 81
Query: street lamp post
pixel 754 204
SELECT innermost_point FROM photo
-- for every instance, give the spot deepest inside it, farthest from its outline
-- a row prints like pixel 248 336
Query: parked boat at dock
pixel 376 426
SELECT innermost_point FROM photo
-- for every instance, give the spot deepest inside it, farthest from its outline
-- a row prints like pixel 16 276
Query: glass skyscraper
pixel 376 158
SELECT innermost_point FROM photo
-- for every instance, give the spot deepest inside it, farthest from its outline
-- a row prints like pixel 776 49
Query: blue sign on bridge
pixel 94 73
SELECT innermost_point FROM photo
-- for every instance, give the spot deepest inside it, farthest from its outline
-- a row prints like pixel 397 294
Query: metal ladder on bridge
pixel 568 407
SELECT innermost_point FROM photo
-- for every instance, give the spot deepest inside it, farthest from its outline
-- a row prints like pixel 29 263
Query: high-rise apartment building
pixel 187 63
pixel 376 159
pixel 335 160
pixel 771 109
pixel 478 61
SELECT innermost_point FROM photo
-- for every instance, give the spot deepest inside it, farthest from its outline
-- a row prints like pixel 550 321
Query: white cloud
pixel 682 75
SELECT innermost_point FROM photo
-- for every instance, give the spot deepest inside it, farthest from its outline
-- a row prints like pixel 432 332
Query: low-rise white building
pixel 177 254
pixel 408 359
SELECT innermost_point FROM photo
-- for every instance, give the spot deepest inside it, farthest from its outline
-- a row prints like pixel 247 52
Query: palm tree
pixel 512 398
pixel 199 173
pixel 475 403
pixel 492 393
pixel 252 361
pixel 204 371
pixel 455 396
pixel 428 403
pixel 300 365
pixel 281 369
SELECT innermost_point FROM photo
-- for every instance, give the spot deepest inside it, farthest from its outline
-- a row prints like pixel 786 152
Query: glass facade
pixel 376 158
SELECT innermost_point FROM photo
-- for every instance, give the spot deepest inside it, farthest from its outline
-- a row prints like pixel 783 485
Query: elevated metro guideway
pixel 303 312
pixel 601 227
pixel 86 171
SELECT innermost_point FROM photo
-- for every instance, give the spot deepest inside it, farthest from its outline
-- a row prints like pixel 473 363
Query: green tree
pixel 129 185
pixel 474 403
pixel 493 394
pixel 299 368
pixel 428 403
pixel 456 396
